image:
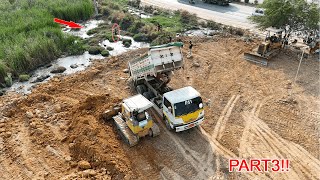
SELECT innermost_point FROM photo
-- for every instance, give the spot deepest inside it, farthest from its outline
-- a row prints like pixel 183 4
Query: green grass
pixel 170 24
pixel 28 36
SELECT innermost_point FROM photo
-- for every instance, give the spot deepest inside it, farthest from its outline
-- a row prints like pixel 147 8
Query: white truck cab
pixel 183 108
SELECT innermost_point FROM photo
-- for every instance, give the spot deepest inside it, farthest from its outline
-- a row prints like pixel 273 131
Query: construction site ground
pixel 251 111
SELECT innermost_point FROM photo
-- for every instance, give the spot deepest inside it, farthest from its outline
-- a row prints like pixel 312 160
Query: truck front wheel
pixel 167 122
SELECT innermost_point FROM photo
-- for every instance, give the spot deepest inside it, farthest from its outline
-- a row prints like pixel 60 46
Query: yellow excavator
pixel 266 50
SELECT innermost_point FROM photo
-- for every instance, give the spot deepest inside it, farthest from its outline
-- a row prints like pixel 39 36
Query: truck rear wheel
pixel 141 89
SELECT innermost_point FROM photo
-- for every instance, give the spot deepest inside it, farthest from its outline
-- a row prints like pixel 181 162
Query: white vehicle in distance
pixel 258 12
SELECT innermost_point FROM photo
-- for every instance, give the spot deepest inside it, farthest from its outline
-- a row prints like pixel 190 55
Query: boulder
pixel 126 71
pixel 73 66
pixel 2 92
pixel 41 78
pixel 84 164
pixel 89 172
pixel 196 64
pixel 109 48
pixel 59 69
pixel 29 114
pixel 48 65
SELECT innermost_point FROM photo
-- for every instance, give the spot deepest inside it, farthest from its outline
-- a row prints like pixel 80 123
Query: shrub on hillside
pixel 213 25
pixel 134 3
pixel 126 42
pixel 24 77
pixel 141 37
pixel 117 17
pixel 148 9
pixel 95 50
pixel 127 21
pixel 137 25
pixel 105 53
pixel 188 19
pixel 104 10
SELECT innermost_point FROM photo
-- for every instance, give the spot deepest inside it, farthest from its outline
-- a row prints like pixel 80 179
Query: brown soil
pixel 253 112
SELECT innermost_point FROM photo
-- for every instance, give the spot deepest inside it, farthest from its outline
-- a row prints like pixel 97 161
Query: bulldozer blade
pixel 256 58
pixel 125 132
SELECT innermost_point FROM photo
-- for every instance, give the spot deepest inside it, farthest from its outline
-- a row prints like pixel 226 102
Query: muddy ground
pixel 252 111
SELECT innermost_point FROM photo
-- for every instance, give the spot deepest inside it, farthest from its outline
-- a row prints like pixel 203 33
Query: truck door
pixel 167 109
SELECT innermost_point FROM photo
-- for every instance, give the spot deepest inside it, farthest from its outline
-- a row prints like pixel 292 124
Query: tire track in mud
pixel 201 163
pixel 259 141
pixel 222 121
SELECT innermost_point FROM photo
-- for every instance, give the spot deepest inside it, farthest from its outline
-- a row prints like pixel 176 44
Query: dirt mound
pixel 48 132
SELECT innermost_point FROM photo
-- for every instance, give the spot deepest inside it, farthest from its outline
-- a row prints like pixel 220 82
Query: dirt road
pixel 250 114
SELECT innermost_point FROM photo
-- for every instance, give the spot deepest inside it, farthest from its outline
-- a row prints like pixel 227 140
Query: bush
pixel 24 77
pixel 95 50
pixel 105 11
pixel 92 31
pixel 8 80
pixel 141 37
pixel 162 39
pixel 134 3
pixel 137 25
pixel 239 32
pixel 114 6
pixel 117 17
pixel 93 41
pixel 74 45
pixel 108 36
pixel 127 21
pixel 110 48
pixel 148 9
pixel 105 53
pixel 127 44
pixel 203 24
pixel 188 19
pixel 213 25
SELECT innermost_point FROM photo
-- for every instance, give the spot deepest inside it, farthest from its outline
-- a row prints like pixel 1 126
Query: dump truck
pixel 267 49
pixel 219 2
pixel 181 109
pixel 134 120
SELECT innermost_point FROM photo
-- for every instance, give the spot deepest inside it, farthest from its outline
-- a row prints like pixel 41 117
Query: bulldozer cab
pixel 134 110
pixel 274 35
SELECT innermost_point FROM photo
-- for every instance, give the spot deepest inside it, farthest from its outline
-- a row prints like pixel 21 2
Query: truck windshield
pixel 188 106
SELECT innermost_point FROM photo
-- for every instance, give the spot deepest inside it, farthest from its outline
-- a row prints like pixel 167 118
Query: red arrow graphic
pixel 71 24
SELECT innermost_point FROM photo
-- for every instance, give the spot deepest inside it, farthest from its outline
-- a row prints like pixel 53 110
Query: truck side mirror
pixel 170 109
pixel 200 105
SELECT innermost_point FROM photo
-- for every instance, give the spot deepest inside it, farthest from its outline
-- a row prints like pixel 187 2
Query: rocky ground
pixel 253 111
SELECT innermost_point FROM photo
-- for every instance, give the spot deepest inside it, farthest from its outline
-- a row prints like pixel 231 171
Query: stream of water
pixel 73 64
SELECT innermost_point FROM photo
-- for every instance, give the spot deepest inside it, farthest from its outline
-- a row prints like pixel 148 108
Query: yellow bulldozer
pixel 267 49
pixel 134 121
